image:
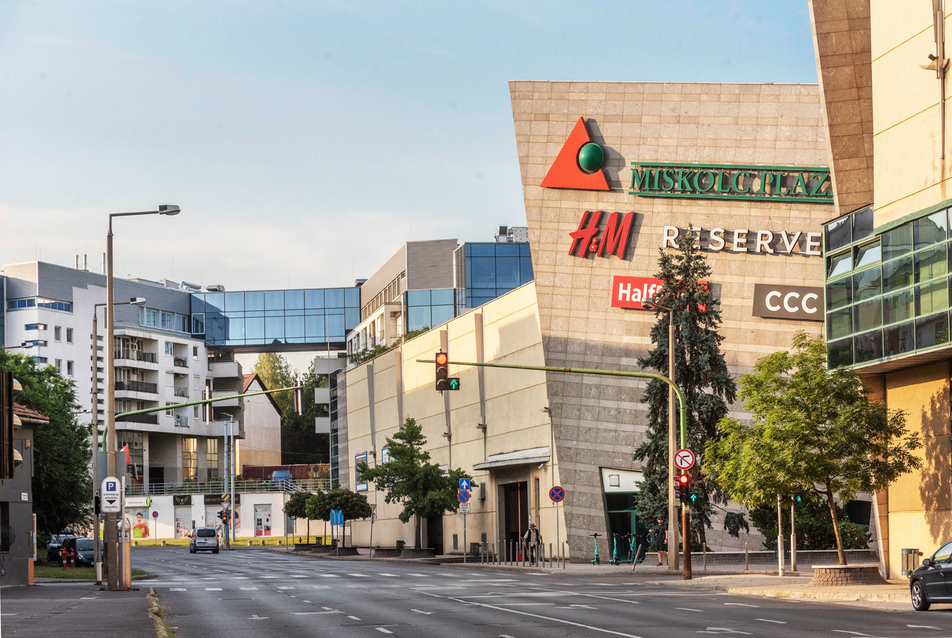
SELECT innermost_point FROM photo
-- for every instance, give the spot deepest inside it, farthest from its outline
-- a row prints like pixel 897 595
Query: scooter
pixel 596 561
pixel 615 558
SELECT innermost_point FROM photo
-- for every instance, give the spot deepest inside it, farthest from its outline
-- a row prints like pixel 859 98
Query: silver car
pixel 204 539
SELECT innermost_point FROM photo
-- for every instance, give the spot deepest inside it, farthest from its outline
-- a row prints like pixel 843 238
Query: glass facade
pixel 269 317
pixel 490 270
pixel 429 308
pixel 887 292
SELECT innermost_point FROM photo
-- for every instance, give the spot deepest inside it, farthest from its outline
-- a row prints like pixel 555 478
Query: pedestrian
pixel 533 541
pixel 660 532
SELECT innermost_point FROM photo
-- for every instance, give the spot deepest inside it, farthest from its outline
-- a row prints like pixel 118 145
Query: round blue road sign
pixel 463 496
pixel 556 494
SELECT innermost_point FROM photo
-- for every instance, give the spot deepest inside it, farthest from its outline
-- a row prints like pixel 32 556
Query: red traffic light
pixel 442 358
pixel 684 479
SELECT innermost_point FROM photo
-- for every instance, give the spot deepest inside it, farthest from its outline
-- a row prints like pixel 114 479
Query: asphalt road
pixel 261 593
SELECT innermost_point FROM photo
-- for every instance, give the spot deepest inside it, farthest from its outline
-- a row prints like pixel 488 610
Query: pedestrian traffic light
pixel 443 380
pixel 798 499
pixel 684 487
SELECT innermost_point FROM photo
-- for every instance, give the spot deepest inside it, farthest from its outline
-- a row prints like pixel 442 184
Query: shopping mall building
pixel 612 173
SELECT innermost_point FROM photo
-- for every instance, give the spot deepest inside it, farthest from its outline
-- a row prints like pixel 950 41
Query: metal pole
pixel 97 550
pixel 111 549
pixel 231 506
pixel 234 505
pixel 464 537
pixel 793 540
pixel 672 451
pixel 779 539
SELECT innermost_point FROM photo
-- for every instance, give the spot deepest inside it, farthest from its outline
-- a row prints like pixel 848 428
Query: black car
pixel 85 550
pixel 54 546
pixel 931 582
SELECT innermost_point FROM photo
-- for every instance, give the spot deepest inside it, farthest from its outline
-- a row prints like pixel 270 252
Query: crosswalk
pixel 294 582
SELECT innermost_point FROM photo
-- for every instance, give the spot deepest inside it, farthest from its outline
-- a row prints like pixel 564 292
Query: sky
pixel 305 140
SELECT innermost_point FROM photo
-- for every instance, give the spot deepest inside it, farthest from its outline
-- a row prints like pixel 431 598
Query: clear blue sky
pixel 306 140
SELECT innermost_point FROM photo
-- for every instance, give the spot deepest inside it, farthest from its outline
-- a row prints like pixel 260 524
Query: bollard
pixel 279 541
pixel 64 558
pixel 72 560
pixel 746 558
pixel 550 555
pixel 704 548
pixel 163 543
pixel 563 554
pixel 249 543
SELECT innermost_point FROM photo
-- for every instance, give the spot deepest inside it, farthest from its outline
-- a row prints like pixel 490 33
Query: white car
pixel 204 539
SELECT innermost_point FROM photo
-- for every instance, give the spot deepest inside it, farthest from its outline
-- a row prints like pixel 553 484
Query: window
pixel 168 409
pixel 69 335
pixel 151 317
pixel 168 320
pixel 59 365
pixel 195 352
pixel 211 457
pixel 181 323
pixel 57 333
pixel 69 368
pixel 168 348
pixel 35 326
pixel 189 459
pixel 40 360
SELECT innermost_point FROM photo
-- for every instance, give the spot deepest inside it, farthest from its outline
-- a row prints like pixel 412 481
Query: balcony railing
pixel 180 362
pixel 181 392
pixel 217 487
pixel 136 355
pixel 140 418
pixel 137 386
pixel 181 421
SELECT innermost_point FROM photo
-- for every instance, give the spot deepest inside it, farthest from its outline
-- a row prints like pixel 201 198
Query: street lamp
pixel 651 304
pixel 229 479
pixel 135 301
pixel 26 345
pixel 111 548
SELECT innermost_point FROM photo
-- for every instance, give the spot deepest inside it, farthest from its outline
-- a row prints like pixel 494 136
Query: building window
pixel 168 320
pixel 69 335
pixel 168 409
pixel 189 459
pixel 57 333
pixel 59 365
pixel 151 317
pixel 181 323
pixel 168 348
pixel 211 457
pixel 69 368
pixel 35 326
pixel 195 352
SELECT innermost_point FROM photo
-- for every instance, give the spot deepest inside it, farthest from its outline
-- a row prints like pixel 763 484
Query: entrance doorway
pixel 434 534
pixel 516 517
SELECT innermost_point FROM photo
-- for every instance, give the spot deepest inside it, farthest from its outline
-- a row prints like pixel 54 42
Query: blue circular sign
pixel 556 494
pixel 155 514
pixel 463 496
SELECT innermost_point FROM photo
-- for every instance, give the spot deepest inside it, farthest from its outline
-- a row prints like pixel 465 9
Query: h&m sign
pixel 592 238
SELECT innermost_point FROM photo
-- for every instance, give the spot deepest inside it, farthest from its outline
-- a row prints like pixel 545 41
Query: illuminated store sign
pixel 712 181
pixel 631 292
pixel 743 240
pixel 788 302
pixel 604 242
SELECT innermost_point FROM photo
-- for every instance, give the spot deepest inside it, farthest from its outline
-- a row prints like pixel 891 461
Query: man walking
pixel 533 541
pixel 660 532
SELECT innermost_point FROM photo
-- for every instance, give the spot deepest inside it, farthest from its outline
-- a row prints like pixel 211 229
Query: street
pixel 255 593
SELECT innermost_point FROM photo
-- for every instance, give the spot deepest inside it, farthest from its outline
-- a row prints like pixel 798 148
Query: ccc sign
pixel 788 302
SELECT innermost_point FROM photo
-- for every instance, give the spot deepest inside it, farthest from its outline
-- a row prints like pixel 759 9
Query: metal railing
pixel 217 487
pixel 137 355
pixel 139 418
pixel 181 392
pixel 181 421
pixel 137 386
pixel 180 362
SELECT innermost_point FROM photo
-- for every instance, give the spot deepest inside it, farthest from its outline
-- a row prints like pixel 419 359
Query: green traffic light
pixel 454 384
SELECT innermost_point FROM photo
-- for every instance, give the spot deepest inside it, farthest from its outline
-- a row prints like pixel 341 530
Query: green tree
pixel 811 431
pixel 276 372
pixel 700 372
pixel 62 485
pixel 352 505
pixel 296 506
pixel 299 442
pixel 814 526
pixel 409 478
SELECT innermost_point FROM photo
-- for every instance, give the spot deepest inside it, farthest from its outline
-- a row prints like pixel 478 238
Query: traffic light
pixel 6 425
pixel 443 380
pixel 798 499
pixel 221 515
pixel 684 487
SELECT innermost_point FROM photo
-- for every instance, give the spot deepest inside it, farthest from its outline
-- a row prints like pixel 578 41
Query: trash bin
pixel 910 560
pixel 474 550
pixel 400 545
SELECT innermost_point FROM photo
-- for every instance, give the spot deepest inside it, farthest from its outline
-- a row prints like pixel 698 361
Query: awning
pixel 520 457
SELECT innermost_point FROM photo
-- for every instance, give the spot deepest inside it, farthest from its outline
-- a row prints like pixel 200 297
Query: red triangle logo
pixel 565 171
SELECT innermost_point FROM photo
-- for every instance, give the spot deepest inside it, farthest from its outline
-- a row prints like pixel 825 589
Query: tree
pixel 299 442
pixel 276 372
pixel 814 526
pixel 296 507
pixel 409 478
pixel 700 372
pixel 353 506
pixel 811 431
pixel 62 485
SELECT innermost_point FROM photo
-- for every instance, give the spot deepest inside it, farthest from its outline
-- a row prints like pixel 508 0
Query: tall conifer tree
pixel 700 372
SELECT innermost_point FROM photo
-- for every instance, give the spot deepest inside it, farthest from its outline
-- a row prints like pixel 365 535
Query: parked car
pixel 54 546
pixel 931 581
pixel 85 549
pixel 204 539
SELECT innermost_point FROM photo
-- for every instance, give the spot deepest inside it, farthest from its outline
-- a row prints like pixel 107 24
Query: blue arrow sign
pixel 464 484
pixel 337 517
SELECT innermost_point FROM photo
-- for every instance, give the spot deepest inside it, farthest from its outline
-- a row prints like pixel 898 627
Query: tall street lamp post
pixel 135 301
pixel 672 442
pixel 111 548
pixel 26 345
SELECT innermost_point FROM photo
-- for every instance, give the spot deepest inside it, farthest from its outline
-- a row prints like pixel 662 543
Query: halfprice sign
pixel 684 459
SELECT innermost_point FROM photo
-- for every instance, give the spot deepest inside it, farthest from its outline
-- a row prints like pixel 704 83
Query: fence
pixel 218 487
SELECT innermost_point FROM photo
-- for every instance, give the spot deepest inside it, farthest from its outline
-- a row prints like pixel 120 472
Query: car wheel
pixel 919 600
pixel 191 550
pixel 214 551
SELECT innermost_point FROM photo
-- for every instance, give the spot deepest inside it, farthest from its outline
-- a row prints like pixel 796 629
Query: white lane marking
pixel 87 597
pixel 213 589
pixel 419 611
pixel 533 605
pixel 853 633
pixel 687 609
pixel 354 618
pixel 359 575
pixel 779 622
pixel 417 575
pixel 739 605
pixel 383 631
pixel 330 575
pixel 248 588
pixel 723 630
pixel 297 576
pixel 306 601
pixel 314 613
pixel 583 606
pixel 177 589
pixel 922 627
pixel 327 608
pixel 257 617
pixel 285 587
pixel 388 575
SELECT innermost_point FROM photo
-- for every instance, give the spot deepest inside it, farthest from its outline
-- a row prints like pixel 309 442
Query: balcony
pixel 223 369
pixel 137 386
pixel 181 392
pixel 181 421
pixel 129 358
pixel 180 362
pixel 150 419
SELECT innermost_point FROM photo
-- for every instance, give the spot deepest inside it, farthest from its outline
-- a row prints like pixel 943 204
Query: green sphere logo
pixel 591 157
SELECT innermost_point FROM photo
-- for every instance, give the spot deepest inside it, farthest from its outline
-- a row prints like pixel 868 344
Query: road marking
pixel 536 605
pixel 213 589
pixel 739 605
pixel 354 618
pixel 417 575
pixel 314 613
pixel 248 588
pixel 177 589
pixel 388 575
pixel 257 617
pixel 922 627
pixel 383 631
pixel 723 630
pixel 687 609
pixel 330 575
pixel 779 622
pixel 583 606
pixel 419 611
pixel 327 608
pixel 284 587
pixel 307 601
pixel 297 576
pixel 359 575
pixel 854 633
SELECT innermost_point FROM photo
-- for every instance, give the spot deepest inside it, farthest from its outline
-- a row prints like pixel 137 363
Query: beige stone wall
pixel 598 421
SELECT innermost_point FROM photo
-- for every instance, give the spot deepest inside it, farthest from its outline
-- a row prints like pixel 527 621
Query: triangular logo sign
pixel 566 171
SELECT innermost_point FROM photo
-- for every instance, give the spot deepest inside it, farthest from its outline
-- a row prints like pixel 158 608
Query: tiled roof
pixel 26 414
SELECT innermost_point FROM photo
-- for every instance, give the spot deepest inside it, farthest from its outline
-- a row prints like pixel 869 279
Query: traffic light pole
pixel 687 574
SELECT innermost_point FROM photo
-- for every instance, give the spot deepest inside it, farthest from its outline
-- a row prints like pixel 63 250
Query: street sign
pixel 464 508
pixel 337 517
pixel 155 514
pixel 464 484
pixel 556 494
pixel 684 459
pixel 111 495
pixel 463 496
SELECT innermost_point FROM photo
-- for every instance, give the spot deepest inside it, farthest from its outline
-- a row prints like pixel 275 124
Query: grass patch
pixel 45 570
pixel 269 541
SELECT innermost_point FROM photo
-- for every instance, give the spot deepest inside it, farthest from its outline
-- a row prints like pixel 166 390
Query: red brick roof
pixel 28 415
